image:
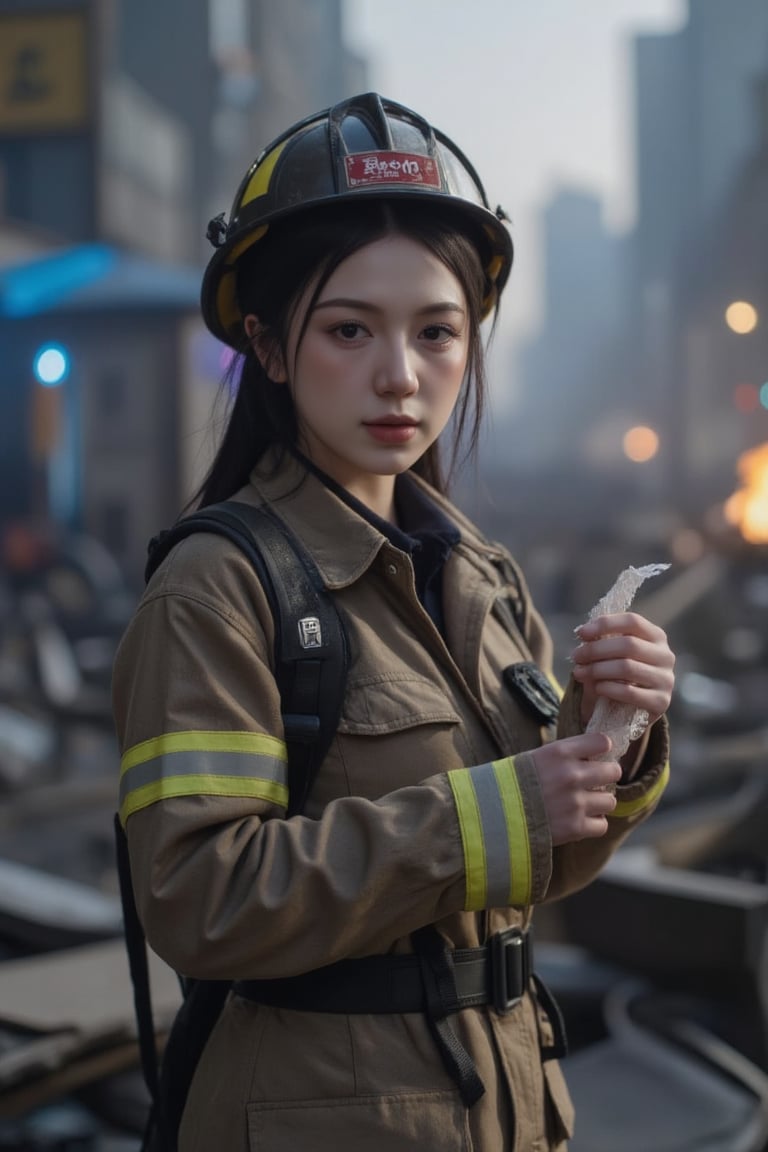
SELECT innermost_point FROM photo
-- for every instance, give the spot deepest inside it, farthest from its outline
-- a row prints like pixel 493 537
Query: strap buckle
pixel 510 960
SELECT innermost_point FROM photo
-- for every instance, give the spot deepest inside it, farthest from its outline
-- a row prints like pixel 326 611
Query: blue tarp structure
pixel 95 277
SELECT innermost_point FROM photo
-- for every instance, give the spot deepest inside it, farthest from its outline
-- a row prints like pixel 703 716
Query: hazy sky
pixel 536 92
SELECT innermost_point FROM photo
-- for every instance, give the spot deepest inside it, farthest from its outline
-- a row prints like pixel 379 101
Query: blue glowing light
pixel 51 365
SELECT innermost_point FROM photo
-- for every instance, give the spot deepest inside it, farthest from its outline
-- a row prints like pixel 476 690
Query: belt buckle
pixel 510 969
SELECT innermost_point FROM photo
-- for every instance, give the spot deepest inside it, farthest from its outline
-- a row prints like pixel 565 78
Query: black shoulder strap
pixel 311 654
pixel 311 660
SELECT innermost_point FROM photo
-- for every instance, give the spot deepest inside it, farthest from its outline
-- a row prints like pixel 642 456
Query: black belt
pixel 497 973
pixel 435 981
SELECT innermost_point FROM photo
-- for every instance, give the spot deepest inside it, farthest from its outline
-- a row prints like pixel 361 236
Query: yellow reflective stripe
pixel 269 790
pixel 247 242
pixel 226 293
pixel 495 265
pixel 192 763
pixel 517 831
pixel 626 808
pixel 472 840
pixel 251 743
pixel 494 834
pixel 258 184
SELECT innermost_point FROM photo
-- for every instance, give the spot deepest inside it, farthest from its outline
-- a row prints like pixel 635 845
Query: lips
pixel 392 429
pixel 392 422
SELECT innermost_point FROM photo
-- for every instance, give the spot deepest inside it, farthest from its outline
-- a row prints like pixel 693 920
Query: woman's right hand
pixel 577 790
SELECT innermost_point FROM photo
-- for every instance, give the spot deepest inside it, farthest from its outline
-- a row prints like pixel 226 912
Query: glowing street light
pixel 51 365
pixel 640 444
pixel 741 317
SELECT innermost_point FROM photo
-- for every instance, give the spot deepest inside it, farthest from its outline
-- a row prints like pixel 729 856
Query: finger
pixel 630 671
pixel 585 746
pixel 600 774
pixel 591 828
pixel 600 804
pixel 623 624
pixel 624 648
pixel 654 701
pixel 595 827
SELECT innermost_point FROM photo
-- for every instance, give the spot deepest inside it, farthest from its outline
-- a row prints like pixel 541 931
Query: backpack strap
pixel 139 971
pixel 311 652
pixel 311 658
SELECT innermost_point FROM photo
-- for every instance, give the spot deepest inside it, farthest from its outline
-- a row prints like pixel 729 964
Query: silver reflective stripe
pixel 209 764
pixel 495 835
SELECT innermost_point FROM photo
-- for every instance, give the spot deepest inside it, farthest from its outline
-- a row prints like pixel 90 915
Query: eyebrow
pixel 368 306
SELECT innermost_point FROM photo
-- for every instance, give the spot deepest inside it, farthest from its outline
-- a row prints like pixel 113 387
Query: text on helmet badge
pixel 391 168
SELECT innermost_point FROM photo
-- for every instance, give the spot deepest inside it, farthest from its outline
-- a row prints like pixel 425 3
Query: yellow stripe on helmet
pixel 258 185
pixel 227 306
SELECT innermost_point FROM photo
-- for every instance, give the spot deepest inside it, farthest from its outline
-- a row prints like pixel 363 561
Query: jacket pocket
pixel 393 702
pixel 412 1122
pixel 396 730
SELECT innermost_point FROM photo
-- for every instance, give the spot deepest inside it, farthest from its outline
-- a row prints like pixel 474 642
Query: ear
pixel 266 349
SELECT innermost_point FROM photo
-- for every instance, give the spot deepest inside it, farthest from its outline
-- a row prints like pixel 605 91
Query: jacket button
pixel 392 569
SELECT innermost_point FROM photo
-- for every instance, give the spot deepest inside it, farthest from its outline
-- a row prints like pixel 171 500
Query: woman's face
pixel 379 367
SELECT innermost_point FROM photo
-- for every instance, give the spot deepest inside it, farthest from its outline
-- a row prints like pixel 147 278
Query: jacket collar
pixel 342 544
pixel 343 541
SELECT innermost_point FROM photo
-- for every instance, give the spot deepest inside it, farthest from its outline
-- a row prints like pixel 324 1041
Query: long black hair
pixel 273 277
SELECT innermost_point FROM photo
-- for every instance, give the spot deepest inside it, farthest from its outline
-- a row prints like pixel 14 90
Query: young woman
pixel 358 265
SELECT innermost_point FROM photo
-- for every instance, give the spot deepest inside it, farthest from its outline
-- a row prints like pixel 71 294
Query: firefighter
pixel 379 941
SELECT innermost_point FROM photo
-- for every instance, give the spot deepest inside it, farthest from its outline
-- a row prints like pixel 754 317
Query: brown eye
pixel 437 333
pixel 349 330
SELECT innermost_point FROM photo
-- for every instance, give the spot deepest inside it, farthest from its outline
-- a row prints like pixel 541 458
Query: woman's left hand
pixel 627 659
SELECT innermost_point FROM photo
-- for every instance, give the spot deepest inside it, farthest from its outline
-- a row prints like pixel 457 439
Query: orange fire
pixel 747 508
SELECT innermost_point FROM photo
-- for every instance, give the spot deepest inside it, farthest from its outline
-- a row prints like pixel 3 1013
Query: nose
pixel 396 371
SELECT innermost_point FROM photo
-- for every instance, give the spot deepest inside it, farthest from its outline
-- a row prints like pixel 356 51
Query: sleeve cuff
pixel 504 833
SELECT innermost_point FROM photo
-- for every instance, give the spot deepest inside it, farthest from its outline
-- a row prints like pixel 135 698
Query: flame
pixel 747 508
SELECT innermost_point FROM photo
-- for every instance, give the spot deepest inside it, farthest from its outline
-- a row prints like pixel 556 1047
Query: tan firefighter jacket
pixel 426 810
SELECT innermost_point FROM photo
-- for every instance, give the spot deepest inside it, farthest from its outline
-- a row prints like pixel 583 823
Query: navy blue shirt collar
pixel 424 532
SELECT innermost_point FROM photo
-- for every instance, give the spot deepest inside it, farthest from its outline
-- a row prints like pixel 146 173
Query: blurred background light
pixel 741 317
pixel 640 444
pixel 746 398
pixel 51 365
pixel 687 545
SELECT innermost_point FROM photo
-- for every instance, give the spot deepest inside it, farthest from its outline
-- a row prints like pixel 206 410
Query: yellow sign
pixel 43 72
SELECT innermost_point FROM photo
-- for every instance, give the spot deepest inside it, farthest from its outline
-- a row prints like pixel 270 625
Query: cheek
pixel 319 369
pixel 321 389
pixel 453 379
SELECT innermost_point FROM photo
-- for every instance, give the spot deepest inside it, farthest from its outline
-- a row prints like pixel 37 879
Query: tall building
pixel 723 350
pixel 104 130
pixel 697 125
pixel 560 366
pixel 160 66
pixel 277 63
pixel 125 125
pixel 49 115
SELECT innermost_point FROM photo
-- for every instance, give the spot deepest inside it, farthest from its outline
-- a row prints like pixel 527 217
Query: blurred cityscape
pixel 639 434
pixel 647 385
pixel 637 399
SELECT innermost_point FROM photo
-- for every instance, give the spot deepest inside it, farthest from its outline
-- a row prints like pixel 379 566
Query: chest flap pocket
pixel 393 702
